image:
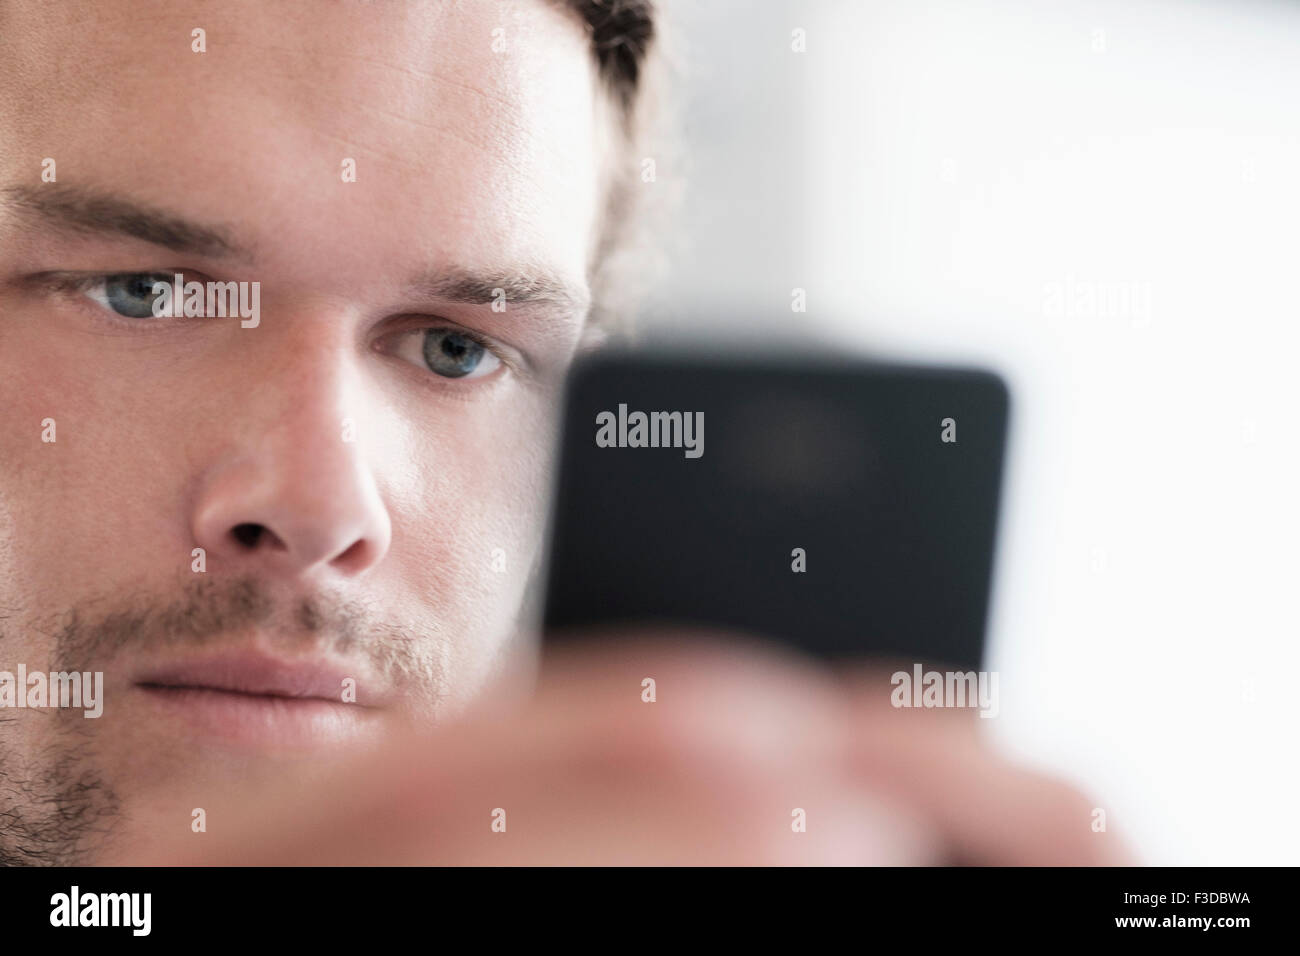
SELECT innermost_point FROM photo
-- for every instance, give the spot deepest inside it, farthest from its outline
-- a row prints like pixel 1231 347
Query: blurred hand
pixel 715 771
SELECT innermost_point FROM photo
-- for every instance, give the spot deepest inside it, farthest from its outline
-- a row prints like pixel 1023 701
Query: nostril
pixel 358 555
pixel 248 534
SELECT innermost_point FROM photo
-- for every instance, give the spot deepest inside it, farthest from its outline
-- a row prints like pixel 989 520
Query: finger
pixel 988 810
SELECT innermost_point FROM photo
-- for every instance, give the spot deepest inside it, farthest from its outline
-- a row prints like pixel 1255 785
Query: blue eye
pixel 453 354
pixel 129 294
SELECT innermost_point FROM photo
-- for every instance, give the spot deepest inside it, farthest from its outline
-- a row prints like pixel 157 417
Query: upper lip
pixel 259 674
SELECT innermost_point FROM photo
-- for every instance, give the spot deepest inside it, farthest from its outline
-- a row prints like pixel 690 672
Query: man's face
pixel 364 469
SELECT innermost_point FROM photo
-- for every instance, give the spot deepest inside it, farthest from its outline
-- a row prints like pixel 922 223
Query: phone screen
pixel 848 509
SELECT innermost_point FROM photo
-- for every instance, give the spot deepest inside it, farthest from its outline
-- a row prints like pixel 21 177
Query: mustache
pixel 206 611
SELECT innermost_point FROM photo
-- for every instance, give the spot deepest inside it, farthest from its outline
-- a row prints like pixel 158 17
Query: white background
pixel 1101 201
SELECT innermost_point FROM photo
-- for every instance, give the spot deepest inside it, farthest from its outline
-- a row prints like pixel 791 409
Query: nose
pixel 297 495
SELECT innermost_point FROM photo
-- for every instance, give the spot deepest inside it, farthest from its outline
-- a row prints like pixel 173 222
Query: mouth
pixel 255 699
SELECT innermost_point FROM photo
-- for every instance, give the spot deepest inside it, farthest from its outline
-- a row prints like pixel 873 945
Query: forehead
pixel 471 124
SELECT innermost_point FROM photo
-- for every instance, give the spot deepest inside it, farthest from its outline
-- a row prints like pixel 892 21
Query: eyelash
pixel 481 341
pixel 78 283
pixel 81 283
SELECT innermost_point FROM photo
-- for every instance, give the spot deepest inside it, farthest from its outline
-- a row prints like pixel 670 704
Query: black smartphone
pixel 846 508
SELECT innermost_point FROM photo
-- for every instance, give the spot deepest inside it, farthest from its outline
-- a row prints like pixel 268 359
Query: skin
pixel 375 554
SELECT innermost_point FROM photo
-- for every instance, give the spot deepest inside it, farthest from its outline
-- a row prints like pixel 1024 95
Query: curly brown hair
pixel 622 35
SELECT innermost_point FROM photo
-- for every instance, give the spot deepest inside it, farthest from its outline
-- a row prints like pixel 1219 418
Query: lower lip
pixel 261 720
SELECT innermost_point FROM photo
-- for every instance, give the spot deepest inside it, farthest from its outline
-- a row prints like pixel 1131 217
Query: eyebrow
pixel 83 211
pixel 526 286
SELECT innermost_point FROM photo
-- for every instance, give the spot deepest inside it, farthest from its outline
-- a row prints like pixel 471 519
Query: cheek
pixel 465 547
pixel 468 526
pixel 81 469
